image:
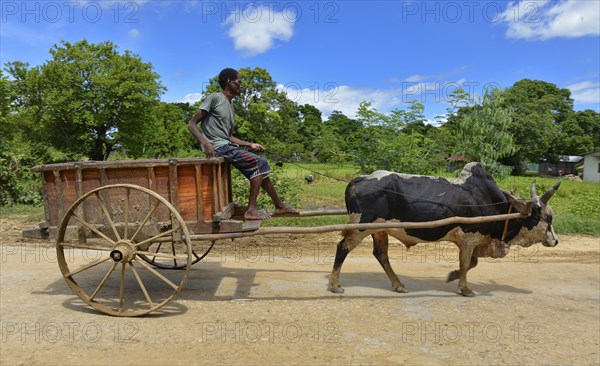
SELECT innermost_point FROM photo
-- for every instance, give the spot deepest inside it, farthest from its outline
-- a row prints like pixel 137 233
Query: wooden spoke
pixel 126 228
pixel 110 271
pixel 99 287
pixel 86 247
pixel 92 228
pixel 84 268
pixel 110 221
pixel 122 288
pixel 150 240
pixel 162 255
pixel 157 274
pixel 139 281
pixel 145 220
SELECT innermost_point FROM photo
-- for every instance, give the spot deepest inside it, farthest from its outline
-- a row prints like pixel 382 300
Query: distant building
pixel 591 167
pixel 565 166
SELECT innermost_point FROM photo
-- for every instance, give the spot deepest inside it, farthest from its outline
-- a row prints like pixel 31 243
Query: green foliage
pixel 30 213
pixel 397 142
pixel 586 203
pixel 539 109
pixel 287 189
pixel 579 133
pixel 169 136
pixel 483 133
pixel 91 101
pixel 88 98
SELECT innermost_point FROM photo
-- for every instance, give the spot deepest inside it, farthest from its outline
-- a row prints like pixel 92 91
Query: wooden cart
pixel 127 232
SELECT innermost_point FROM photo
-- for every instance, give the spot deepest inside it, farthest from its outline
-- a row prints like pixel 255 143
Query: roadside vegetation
pixel 94 102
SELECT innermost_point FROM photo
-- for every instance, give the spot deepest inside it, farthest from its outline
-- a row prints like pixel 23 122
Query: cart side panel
pixel 186 192
pixel 202 188
pixel 50 198
pixel 226 183
pixel 161 186
pixel 208 190
pixel 67 190
pixel 91 179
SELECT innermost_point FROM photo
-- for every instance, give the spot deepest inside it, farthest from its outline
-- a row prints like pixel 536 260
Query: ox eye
pixel 549 219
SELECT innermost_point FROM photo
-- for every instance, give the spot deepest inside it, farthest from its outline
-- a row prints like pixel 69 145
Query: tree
pixel 579 133
pixel 310 126
pixel 484 135
pixel 339 140
pixel 538 108
pixel 384 145
pixel 96 97
pixel 167 134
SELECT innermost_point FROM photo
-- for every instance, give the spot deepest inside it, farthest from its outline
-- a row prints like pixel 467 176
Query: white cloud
pixel 344 98
pixel 439 76
pixel 541 20
pixel 256 29
pixel 416 78
pixel 586 92
pixel 191 98
pixel 134 33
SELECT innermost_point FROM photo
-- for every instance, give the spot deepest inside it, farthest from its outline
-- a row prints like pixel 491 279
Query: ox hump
pixel 468 171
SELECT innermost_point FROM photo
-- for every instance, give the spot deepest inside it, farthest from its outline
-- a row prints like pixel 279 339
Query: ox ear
pixel 523 207
pixel 549 193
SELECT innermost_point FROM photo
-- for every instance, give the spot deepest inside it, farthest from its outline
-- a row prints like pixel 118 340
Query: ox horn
pixel 533 190
pixel 549 193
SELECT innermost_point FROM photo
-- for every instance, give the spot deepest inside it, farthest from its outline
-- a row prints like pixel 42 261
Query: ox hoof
pixel 401 289
pixel 467 292
pixel 454 275
pixel 336 289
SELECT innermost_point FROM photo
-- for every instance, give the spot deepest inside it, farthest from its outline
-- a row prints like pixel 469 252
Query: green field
pixel 576 204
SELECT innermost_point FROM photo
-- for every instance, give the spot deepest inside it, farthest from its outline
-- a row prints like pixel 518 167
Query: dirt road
pixel 263 300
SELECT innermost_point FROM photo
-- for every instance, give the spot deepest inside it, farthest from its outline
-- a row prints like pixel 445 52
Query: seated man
pixel 216 116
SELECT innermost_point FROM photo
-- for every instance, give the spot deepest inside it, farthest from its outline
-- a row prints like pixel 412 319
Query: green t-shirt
pixel 218 124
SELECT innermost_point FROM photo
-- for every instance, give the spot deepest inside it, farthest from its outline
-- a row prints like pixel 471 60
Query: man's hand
pixel 209 150
pixel 257 147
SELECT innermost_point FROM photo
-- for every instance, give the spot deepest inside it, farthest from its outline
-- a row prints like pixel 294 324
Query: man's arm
pixel 252 145
pixel 209 149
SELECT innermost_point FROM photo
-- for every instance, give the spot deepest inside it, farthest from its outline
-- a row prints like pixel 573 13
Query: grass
pixel 576 205
pixel 24 212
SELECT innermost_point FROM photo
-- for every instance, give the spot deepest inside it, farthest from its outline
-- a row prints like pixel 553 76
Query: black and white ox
pixel 385 196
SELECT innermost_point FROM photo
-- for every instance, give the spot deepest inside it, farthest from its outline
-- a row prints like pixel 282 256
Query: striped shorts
pixel 251 165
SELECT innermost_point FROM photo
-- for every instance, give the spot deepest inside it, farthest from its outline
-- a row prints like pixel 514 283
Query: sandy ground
pixel 263 300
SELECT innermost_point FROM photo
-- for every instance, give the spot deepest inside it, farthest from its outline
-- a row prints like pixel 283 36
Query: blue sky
pixel 333 54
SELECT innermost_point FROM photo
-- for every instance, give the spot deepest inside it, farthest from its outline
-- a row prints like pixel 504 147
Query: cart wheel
pixel 102 238
pixel 199 251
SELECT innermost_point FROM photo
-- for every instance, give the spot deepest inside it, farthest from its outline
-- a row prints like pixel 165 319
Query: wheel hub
pixel 123 252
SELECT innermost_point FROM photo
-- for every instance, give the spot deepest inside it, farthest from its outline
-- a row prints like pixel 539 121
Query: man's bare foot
pixel 286 209
pixel 256 215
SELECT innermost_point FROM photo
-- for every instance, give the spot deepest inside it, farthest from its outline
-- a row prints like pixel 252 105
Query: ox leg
pixel 466 259
pixel 380 251
pixel 344 247
pixel 455 275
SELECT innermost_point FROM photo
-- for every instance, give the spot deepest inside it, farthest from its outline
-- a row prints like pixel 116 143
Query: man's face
pixel 235 86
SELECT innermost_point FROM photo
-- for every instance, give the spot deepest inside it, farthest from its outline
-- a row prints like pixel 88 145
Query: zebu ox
pixel 385 196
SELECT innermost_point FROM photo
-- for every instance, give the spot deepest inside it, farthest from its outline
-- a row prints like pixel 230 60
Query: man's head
pixel 230 78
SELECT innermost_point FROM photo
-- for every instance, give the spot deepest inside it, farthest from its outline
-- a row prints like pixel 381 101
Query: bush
pixel 18 185
pixel 287 188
